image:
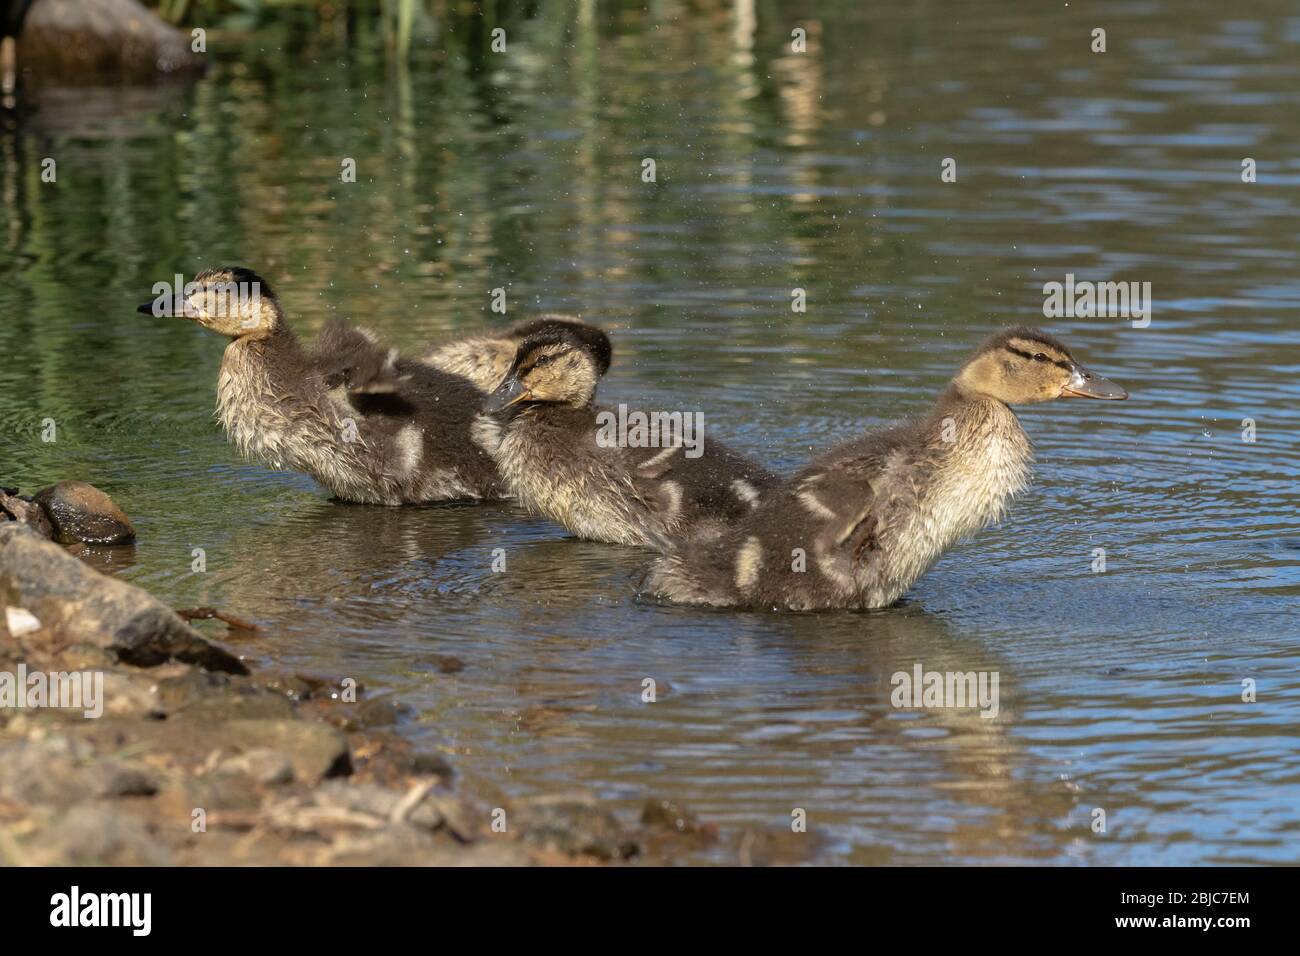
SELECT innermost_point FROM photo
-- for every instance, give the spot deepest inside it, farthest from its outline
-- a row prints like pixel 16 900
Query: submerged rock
pixel 81 512
pixel 82 606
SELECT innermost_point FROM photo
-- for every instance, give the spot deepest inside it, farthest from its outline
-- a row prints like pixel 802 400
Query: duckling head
pixel 593 338
pixel 552 365
pixel 1021 366
pixel 231 301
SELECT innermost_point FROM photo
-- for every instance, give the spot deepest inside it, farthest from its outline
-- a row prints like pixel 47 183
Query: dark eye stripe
pixel 1030 355
pixel 545 358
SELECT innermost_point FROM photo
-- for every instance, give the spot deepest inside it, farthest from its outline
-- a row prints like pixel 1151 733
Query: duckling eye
pixel 1040 357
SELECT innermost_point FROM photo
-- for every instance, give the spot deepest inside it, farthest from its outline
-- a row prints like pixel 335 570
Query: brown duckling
pixel 486 357
pixel 858 526
pixel 545 433
pixel 369 425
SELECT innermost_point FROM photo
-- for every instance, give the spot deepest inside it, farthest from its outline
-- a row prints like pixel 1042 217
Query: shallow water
pixel 1119 690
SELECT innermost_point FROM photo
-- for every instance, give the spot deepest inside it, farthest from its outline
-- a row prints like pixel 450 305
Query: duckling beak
pixel 168 306
pixel 1086 384
pixel 510 391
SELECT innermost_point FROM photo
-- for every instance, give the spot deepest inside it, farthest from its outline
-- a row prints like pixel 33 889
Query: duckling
pixel 542 428
pixel 485 358
pixel 858 526
pixel 369 425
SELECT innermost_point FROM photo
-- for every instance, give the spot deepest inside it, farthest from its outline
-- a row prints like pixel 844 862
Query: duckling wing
pixel 841 503
pixel 353 361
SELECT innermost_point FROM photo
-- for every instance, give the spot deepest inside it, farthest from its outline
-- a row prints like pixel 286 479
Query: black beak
pixel 164 307
pixel 508 393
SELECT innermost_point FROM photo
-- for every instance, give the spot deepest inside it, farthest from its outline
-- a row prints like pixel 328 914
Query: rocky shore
pixel 171 749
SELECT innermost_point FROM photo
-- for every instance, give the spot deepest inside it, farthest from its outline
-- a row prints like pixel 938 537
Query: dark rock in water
pixel 24 511
pixel 427 763
pixel 78 40
pixel 374 712
pixel 82 606
pixel 449 664
pixel 665 813
pixel 81 512
pixel 575 826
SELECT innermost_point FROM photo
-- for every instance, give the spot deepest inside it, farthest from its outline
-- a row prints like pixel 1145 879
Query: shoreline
pixel 201 758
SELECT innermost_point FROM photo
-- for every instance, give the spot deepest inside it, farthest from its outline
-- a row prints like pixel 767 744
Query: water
pixel 1119 690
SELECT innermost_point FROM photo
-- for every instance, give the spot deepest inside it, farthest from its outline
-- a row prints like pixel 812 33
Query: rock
pixel 300 687
pixel 100 835
pixel 576 826
pixel 266 766
pixel 391 846
pixel 671 816
pixel 20 621
pixel 83 606
pixel 380 803
pixel 374 712
pixel 206 699
pixel 125 781
pixel 125 697
pixel 448 663
pixel 81 512
pixel 428 763
pixel 81 39
pixel 60 771
pixel 24 511
pixel 316 750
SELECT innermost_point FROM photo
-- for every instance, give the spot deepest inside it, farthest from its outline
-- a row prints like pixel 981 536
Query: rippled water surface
pixel 1119 690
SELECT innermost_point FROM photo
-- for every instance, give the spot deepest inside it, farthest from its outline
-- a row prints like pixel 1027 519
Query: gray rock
pixel 81 512
pixel 60 771
pixel 207 699
pixel 97 835
pixel 266 766
pixel 316 750
pixel 83 606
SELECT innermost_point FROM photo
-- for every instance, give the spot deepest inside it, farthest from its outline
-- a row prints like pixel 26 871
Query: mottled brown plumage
pixel 858 526
pixel 366 423
pixel 542 433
